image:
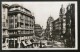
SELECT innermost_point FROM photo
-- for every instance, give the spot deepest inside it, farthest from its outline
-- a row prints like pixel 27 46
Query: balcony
pixel 19 11
pixel 5 28
pixel 22 21
pixel 11 33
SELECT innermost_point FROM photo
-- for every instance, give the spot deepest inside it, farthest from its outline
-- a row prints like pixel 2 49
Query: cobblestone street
pixel 58 45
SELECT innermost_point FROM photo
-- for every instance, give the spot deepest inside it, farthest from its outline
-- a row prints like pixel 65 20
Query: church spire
pixel 62 10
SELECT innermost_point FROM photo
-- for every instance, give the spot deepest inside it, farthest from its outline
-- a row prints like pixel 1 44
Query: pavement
pixel 58 44
pixel 55 44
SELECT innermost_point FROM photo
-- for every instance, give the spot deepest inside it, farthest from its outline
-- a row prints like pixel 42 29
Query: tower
pixel 62 22
pixel 49 27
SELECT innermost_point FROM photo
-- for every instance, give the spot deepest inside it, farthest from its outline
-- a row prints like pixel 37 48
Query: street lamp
pixel 40 44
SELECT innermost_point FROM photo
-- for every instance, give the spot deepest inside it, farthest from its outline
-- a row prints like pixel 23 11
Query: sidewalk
pixel 58 44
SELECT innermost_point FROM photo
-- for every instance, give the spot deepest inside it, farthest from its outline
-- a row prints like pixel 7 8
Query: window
pixel 11 26
pixel 11 17
pixel 11 20
pixel 3 24
pixel 70 21
pixel 3 9
pixel 70 31
pixel 64 24
pixel 63 20
pixel 22 26
pixel 63 31
pixel 15 20
pixel 15 25
pixel 3 16
pixel 21 17
pixel 22 20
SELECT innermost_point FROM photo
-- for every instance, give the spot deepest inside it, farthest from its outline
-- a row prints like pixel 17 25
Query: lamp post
pixel 40 44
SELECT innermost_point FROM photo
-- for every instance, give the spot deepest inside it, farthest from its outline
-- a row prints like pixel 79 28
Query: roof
pixel 50 19
pixel 37 26
pixel 56 20
pixel 17 5
pixel 62 10
pixel 5 5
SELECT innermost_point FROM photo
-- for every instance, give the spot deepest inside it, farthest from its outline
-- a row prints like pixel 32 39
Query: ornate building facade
pixel 59 26
pixel 49 27
pixel 5 25
pixel 64 26
pixel 38 30
pixel 62 22
pixel 70 26
pixel 21 25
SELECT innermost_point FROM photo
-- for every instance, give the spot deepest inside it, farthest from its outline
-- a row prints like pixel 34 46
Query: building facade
pixel 70 25
pixel 64 26
pixel 21 25
pixel 38 30
pixel 49 27
pixel 59 26
pixel 5 25
pixel 56 29
pixel 62 22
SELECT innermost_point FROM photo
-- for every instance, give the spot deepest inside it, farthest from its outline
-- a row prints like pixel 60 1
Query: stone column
pixel 24 38
pixel 19 20
pixel 14 42
pixel 6 43
pixel 19 41
pixel 14 20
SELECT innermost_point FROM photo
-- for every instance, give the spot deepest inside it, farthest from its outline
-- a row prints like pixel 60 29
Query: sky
pixel 42 10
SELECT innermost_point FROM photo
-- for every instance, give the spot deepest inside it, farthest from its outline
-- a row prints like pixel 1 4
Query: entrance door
pixel 11 43
pixel 16 44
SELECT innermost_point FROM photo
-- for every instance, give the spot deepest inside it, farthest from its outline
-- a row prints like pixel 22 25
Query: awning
pixel 24 43
pixel 29 42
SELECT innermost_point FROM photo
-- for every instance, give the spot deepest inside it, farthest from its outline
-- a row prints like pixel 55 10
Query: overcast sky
pixel 42 10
